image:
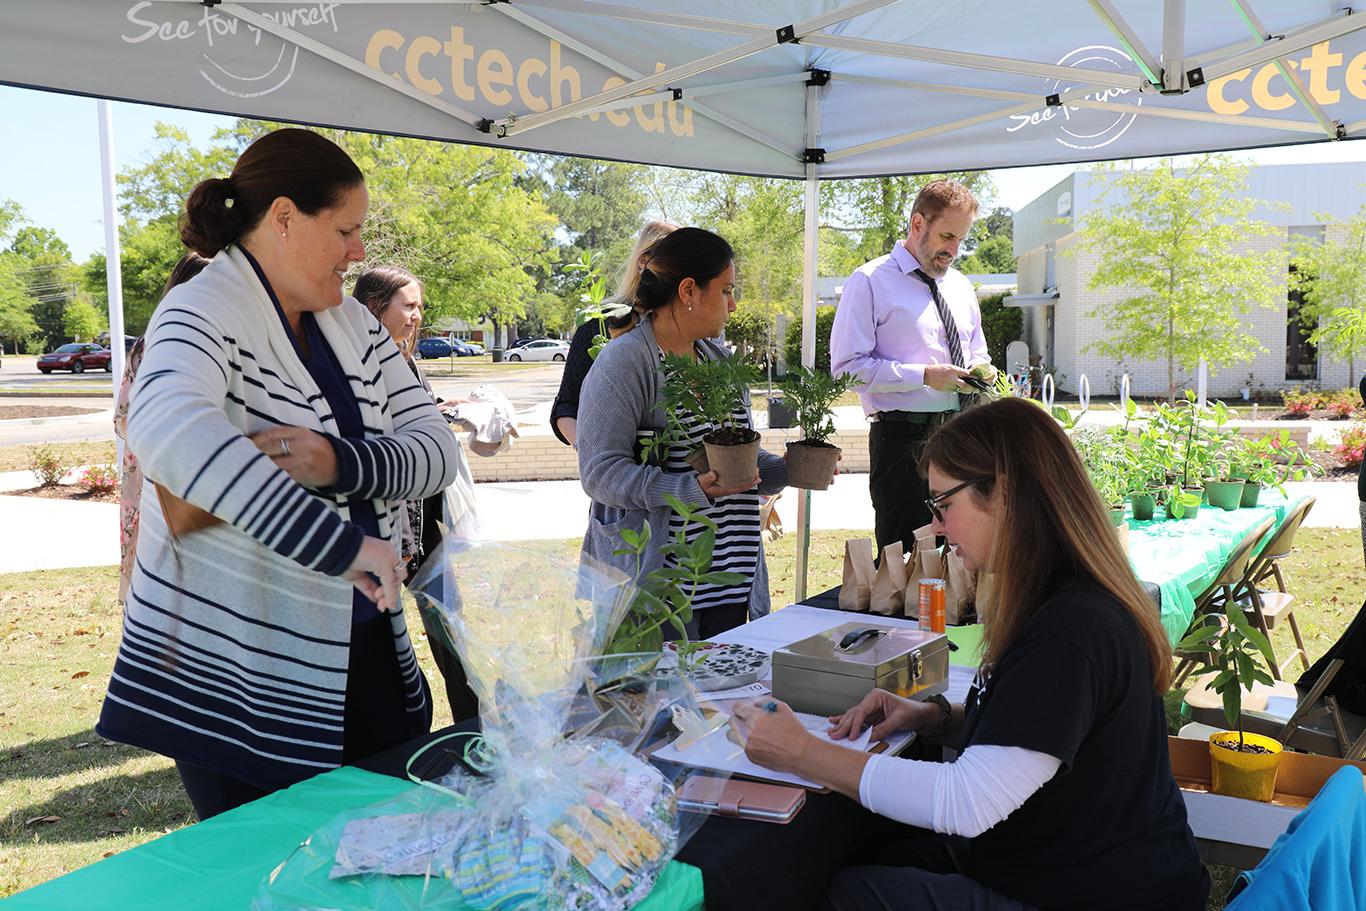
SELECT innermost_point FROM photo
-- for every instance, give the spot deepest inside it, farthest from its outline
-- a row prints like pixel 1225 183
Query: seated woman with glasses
pixel 1062 795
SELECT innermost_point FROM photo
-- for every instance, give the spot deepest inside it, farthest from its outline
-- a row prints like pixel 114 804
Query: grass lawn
pixel 67 798
pixel 19 458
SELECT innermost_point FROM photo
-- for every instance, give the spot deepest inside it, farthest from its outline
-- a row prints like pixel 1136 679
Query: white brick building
pixel 1056 300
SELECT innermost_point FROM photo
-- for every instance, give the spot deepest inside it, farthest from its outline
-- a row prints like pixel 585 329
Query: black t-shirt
pixel 1109 830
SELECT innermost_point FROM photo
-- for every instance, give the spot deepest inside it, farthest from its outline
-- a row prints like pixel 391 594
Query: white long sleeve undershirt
pixel 966 797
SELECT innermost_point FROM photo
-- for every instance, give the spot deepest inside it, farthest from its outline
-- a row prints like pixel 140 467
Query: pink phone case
pixel 745 799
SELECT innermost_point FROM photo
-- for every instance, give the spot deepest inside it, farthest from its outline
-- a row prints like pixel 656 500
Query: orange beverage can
pixel 932 606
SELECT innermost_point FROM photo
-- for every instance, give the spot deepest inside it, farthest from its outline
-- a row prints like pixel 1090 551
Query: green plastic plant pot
pixel 1144 506
pixel 1225 495
pixel 1251 490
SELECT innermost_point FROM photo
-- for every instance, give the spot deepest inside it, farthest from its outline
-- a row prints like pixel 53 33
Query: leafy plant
pixel 1270 460
pixel 1230 646
pixel 1108 461
pixel 664 596
pixel 1300 402
pixel 709 390
pixel 812 393
pixel 48 465
pixel 1181 501
pixel 593 297
pixel 99 480
pixel 1352 445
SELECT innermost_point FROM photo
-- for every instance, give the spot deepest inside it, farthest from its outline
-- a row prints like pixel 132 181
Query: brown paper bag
pixel 925 563
pixel 985 599
pixel 857 585
pixel 889 583
pixel 960 590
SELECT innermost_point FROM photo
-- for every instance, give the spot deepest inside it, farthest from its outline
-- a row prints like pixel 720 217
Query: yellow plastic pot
pixel 1251 776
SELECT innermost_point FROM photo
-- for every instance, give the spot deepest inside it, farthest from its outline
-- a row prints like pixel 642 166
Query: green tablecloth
pixel 1182 557
pixel 219 863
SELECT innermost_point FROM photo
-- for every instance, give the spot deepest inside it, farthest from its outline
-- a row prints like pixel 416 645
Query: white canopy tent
pixel 804 89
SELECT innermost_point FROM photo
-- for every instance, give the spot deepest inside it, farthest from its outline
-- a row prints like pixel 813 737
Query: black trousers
pixel 895 486
pixel 894 867
pixel 376 718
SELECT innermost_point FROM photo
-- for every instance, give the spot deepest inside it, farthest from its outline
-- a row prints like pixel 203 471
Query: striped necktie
pixel 950 327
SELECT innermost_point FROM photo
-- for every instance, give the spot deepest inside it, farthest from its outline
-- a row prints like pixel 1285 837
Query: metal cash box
pixel 830 672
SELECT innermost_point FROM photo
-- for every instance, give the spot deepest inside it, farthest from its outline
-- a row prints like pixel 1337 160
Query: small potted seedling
pixel 1241 764
pixel 1222 489
pixel 715 391
pixel 812 394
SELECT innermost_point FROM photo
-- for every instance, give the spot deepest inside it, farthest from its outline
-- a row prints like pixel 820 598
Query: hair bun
pixel 209 223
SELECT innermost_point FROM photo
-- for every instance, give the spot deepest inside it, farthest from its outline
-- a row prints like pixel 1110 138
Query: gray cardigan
pixel 620 396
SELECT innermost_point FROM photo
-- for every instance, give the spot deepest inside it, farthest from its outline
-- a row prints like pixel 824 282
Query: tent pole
pixel 809 259
pixel 113 274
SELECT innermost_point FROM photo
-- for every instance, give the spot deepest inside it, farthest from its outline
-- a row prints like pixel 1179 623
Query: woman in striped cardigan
pixel 268 644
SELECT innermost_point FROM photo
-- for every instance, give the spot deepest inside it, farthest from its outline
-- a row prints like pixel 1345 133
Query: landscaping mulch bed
pixel 66 492
pixel 1333 469
pixel 20 412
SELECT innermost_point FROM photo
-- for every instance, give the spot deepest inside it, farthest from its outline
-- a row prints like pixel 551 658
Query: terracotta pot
pixel 811 466
pixel 736 464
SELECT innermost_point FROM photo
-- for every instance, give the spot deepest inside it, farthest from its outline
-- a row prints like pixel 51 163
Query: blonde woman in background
pixel 565 412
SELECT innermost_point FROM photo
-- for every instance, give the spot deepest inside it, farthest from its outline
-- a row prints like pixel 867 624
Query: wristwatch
pixel 945 715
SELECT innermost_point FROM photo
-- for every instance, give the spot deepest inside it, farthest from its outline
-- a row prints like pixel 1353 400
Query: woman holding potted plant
pixel 1062 794
pixel 685 294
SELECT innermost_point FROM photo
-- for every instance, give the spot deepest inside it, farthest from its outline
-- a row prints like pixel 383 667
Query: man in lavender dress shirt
pixel 908 326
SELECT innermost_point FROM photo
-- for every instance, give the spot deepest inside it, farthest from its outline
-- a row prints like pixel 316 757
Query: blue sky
pixel 51 163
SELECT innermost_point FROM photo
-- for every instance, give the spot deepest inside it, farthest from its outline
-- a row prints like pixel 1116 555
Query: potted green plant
pixel 1109 464
pixel 1223 489
pixel 812 394
pixel 663 596
pixel 1242 764
pixel 713 390
pixel 1153 460
pixel 1268 461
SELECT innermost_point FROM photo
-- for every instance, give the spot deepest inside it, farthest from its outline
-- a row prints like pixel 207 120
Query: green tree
pixel 1177 240
pixel 81 320
pixel 1331 276
pixel 17 324
pixel 877 210
pixel 148 251
pixel 995 255
pixel 456 216
pixel 763 220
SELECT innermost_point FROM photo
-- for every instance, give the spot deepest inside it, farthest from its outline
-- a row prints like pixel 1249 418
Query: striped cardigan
pixel 236 637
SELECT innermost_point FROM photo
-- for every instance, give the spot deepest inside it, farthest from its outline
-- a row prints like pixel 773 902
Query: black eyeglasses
pixel 934 501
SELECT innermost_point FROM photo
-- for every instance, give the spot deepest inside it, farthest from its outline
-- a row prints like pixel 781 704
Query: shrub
pixel 1343 403
pixel 47 464
pixel 99 480
pixel 1350 449
pixel 1300 402
pixel 825 321
pixel 1001 325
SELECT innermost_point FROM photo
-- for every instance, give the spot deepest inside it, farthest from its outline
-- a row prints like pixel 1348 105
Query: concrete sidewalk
pixel 51 534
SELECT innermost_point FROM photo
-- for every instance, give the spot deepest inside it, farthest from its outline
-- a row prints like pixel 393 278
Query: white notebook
pixel 716 751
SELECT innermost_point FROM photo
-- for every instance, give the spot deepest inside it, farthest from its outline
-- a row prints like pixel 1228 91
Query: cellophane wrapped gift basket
pixel 555 804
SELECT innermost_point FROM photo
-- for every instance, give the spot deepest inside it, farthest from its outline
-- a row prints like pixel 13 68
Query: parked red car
pixel 77 357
